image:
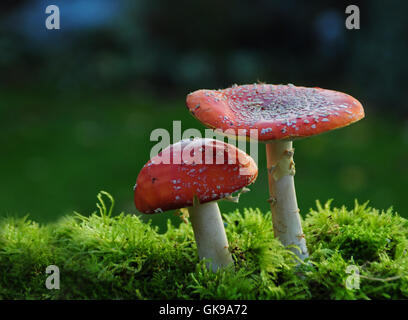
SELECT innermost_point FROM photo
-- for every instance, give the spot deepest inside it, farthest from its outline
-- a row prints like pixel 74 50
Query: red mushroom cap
pixel 204 168
pixel 275 111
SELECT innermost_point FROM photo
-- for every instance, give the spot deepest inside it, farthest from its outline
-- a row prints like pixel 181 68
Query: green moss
pixel 121 257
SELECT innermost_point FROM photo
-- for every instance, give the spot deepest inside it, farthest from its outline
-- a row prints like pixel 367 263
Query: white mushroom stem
pixel 285 212
pixel 210 234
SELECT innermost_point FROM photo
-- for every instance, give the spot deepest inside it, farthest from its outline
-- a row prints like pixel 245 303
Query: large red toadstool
pixel 195 174
pixel 280 114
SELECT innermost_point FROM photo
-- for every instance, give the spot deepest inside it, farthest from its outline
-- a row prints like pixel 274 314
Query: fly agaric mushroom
pixel 197 173
pixel 280 114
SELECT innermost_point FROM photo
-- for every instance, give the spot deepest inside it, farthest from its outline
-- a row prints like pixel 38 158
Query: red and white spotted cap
pixel 276 111
pixel 207 169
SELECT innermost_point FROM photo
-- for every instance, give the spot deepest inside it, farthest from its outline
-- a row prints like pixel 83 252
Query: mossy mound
pixel 121 257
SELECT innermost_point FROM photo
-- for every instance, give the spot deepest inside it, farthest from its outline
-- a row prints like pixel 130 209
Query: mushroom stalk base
pixel 210 234
pixel 287 225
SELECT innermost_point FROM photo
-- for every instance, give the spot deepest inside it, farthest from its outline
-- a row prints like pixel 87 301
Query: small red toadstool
pixel 280 114
pixel 197 173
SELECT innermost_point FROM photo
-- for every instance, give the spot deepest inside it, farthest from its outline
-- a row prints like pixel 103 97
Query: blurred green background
pixel 77 105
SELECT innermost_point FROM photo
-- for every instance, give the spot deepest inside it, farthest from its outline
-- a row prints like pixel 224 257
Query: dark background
pixel 77 105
